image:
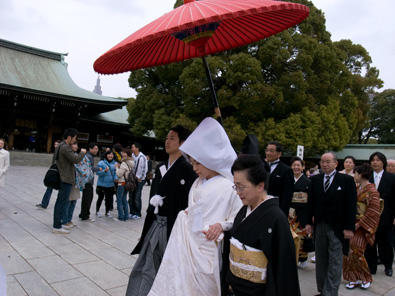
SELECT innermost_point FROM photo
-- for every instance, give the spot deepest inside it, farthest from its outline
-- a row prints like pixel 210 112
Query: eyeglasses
pixel 239 188
pixel 271 150
pixel 327 162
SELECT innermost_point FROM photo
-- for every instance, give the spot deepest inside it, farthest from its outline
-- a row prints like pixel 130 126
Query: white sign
pixel 300 151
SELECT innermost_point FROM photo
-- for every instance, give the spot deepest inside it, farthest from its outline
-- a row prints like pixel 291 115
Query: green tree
pixel 297 87
pixel 382 118
pixel 364 82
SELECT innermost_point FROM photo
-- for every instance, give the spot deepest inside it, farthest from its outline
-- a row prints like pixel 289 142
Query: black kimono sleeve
pixel 283 267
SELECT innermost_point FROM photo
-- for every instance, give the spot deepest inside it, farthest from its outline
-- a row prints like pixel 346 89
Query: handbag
pixel 149 176
pixel 52 177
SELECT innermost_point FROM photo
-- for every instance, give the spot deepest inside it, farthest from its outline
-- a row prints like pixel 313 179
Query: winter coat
pixel 123 171
pixel 66 160
pixel 106 179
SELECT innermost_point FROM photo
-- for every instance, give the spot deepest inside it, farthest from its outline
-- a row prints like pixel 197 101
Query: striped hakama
pixel 146 267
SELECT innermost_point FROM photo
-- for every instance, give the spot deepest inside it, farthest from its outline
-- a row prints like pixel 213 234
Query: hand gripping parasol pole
pixel 212 90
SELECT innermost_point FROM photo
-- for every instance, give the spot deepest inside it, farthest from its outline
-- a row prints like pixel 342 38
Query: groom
pixel 173 180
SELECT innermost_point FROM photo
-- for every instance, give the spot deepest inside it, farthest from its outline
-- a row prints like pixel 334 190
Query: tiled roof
pixel 42 72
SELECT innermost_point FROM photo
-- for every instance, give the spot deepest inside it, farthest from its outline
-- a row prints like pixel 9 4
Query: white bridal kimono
pixel 191 264
pixel 4 165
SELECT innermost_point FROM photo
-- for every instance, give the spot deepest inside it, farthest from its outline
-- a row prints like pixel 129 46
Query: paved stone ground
pixel 94 258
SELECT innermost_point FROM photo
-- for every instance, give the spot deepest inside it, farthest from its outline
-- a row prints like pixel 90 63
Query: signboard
pixel 105 139
pixel 300 151
pixel 83 137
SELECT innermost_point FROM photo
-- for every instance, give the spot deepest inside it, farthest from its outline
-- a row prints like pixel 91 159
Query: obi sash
pixel 361 208
pixel 247 263
pixel 299 197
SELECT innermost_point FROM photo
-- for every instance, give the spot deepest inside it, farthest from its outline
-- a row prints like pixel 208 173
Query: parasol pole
pixel 212 90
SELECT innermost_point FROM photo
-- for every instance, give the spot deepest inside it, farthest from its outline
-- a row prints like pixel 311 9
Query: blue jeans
pixel 122 203
pixel 61 203
pixel 135 199
pixel 46 197
pixel 69 211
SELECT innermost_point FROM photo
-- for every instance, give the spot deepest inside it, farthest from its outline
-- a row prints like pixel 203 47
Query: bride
pixel 191 263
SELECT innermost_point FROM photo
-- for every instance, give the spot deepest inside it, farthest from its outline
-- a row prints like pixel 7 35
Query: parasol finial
pixel 187 1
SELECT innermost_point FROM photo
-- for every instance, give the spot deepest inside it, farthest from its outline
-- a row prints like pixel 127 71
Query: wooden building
pixel 39 100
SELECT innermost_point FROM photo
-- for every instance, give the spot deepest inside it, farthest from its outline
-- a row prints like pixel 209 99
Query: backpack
pixel 131 179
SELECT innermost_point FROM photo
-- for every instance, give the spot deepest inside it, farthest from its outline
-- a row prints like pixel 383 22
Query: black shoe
pixel 388 272
pixel 41 206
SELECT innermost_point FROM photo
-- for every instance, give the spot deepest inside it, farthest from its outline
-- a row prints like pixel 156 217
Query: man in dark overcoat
pixel 281 180
pixel 332 207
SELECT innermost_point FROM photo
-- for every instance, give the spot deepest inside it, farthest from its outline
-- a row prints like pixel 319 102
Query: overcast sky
pixel 85 29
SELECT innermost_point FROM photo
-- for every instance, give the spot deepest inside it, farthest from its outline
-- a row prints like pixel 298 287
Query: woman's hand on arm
pixel 213 231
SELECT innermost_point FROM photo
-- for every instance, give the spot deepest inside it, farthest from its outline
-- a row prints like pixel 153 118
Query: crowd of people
pixel 77 171
pixel 219 223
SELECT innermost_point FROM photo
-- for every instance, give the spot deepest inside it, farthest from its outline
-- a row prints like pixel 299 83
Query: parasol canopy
pixel 200 28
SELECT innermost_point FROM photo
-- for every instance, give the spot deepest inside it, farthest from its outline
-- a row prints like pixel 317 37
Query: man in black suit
pixel 332 207
pixel 281 181
pixel 385 184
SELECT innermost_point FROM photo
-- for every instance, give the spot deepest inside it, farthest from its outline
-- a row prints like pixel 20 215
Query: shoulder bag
pixel 52 177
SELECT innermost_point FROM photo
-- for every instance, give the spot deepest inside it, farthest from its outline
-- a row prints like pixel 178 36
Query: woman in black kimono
pixel 262 257
pixel 299 211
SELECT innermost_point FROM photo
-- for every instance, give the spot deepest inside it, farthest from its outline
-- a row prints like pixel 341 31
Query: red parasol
pixel 200 28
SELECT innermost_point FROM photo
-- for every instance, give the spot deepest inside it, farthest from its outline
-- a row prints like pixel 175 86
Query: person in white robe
pixel 191 263
pixel 4 162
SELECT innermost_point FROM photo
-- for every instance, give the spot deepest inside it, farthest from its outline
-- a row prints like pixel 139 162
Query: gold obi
pixel 361 208
pixel 299 197
pixel 248 265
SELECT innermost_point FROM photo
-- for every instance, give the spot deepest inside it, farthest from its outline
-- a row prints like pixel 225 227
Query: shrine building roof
pixel 44 73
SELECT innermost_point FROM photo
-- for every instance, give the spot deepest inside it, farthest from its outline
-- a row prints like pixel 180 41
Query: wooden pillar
pixel 49 135
pixel 11 130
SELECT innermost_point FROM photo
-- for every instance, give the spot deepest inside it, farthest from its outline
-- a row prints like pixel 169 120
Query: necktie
pixel 271 166
pixel 327 183
pixel 377 180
